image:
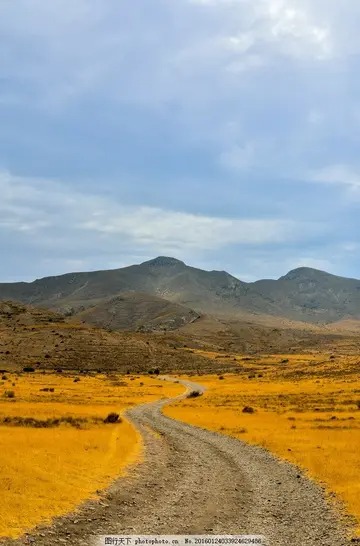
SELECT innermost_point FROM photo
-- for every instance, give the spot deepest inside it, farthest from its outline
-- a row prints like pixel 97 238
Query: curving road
pixel 201 482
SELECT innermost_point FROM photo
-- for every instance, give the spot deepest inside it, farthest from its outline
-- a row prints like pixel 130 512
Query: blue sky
pixel 222 132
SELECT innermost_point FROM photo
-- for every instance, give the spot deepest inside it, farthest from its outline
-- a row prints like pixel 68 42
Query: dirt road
pixel 196 481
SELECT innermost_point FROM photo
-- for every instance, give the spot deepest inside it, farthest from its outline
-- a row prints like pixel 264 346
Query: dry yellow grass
pixel 47 472
pixel 306 411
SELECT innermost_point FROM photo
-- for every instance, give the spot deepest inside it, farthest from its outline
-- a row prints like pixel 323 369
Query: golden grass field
pixel 307 411
pixel 47 472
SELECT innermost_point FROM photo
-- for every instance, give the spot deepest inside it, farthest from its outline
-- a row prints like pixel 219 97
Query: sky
pixel 224 133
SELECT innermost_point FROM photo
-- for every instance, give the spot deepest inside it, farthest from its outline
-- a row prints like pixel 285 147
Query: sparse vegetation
pixel 76 422
pixel 58 448
pixel 30 341
pixel 306 412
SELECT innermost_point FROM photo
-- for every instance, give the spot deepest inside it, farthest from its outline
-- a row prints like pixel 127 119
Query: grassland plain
pixel 48 471
pixel 303 408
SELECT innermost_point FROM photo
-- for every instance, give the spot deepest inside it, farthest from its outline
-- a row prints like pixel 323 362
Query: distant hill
pixel 310 295
pixel 43 340
pixel 137 311
pixel 266 334
pixel 303 294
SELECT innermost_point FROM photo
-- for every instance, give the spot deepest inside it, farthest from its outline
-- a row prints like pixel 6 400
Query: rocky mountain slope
pixel 43 340
pixel 303 294
pixel 137 311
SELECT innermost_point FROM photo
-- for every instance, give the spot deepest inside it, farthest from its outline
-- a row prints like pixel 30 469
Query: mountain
pixel 303 294
pixel 162 277
pixel 310 295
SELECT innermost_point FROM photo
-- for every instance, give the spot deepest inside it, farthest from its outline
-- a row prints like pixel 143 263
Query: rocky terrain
pixel 43 340
pixel 303 294
pixel 138 311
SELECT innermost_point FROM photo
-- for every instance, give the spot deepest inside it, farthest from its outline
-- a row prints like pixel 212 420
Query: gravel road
pixel 201 482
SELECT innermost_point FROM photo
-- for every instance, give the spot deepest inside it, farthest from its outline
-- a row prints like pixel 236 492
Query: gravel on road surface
pixel 195 481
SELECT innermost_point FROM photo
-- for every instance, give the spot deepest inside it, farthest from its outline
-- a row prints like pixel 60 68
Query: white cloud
pixel 151 226
pixel 102 88
pixel 337 174
pixel 293 27
pixel 294 24
pixel 68 49
pixel 47 212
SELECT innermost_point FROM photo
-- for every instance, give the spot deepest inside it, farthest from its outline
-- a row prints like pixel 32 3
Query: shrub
pixel 194 394
pixel 76 422
pixel 112 418
pixel 248 409
pixel 4 378
pixel 9 394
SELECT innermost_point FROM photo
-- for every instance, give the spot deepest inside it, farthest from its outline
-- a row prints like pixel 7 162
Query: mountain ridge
pixel 303 294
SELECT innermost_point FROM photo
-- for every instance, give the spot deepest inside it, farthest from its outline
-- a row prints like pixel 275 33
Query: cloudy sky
pixel 225 133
